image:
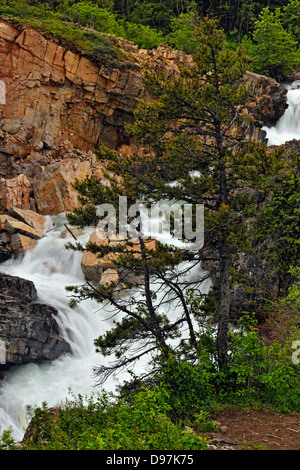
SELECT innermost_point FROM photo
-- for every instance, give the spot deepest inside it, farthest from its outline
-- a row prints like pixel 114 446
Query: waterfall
pixel 52 267
pixel 288 126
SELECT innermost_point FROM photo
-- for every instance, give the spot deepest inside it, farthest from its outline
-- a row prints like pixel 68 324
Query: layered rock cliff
pixel 56 106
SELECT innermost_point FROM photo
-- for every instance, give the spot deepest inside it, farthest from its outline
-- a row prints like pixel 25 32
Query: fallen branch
pixel 69 230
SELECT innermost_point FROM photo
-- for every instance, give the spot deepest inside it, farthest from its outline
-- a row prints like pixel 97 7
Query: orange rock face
pixel 54 94
pixel 56 107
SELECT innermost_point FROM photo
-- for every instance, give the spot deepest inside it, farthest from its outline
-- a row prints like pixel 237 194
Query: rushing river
pixel 52 267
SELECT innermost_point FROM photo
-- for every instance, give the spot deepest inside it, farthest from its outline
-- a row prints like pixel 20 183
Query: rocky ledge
pixel 28 329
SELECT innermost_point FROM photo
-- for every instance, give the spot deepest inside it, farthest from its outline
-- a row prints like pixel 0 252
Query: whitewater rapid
pixel 52 267
pixel 288 126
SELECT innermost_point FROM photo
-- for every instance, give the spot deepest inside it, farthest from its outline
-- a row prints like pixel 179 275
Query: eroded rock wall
pixel 56 107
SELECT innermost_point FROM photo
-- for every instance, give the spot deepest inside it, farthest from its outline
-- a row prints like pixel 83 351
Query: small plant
pixel 104 423
pixel 203 422
pixel 6 440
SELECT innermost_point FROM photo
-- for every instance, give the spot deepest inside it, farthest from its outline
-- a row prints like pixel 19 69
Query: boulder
pixel 92 265
pixel 17 237
pixel 13 226
pixel 29 217
pixel 108 276
pixel 53 189
pixel 268 101
pixel 29 329
pixel 21 243
pixel 104 269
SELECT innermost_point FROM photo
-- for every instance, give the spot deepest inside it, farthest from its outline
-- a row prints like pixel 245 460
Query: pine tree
pixel 191 130
pixel 275 50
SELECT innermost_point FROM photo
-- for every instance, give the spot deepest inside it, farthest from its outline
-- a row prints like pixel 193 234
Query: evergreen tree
pixel 191 129
pixel 291 19
pixel 275 51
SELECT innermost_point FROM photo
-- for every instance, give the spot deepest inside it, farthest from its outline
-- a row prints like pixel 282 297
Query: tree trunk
pixel 155 323
pixel 224 309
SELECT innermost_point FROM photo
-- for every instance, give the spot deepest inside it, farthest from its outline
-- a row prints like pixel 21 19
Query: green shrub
pixel 275 50
pixel 279 222
pixel 255 373
pixel 104 424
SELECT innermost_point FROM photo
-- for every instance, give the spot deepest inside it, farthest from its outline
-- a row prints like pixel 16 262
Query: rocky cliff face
pixel 56 106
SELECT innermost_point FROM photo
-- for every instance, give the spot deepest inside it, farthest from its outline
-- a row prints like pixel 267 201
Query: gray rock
pixel 28 328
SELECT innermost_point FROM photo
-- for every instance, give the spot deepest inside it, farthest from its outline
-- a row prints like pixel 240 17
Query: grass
pixel 93 44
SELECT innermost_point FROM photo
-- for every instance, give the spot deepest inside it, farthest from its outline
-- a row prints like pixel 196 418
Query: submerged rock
pixel 28 329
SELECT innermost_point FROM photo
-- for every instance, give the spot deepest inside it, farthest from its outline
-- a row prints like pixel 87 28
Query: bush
pixel 105 424
pixel 255 373
pixel 279 221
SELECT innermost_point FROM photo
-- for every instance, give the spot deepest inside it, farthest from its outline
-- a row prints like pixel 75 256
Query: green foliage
pixel 91 43
pixel 260 372
pixel 182 36
pixel 279 223
pixel 256 373
pixel 148 24
pixel 91 16
pixel 189 385
pixel 203 423
pixel 144 36
pixel 152 419
pixel 83 24
pixel 293 296
pixel 291 19
pixel 275 51
pixel 102 423
pixel 6 440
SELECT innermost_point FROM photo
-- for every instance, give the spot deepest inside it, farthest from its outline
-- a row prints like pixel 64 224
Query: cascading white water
pixel 52 267
pixel 288 126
